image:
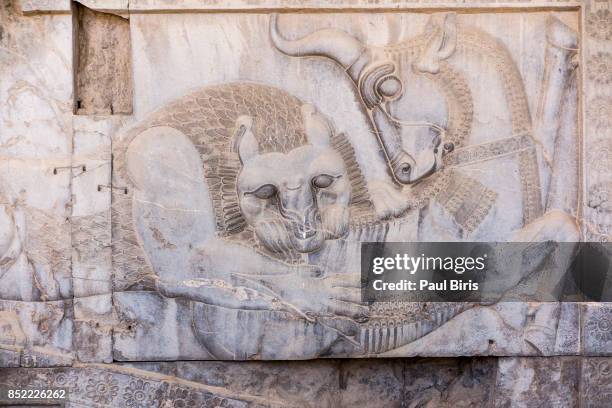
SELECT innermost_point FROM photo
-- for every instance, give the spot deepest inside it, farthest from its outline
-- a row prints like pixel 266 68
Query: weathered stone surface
pixel 103 68
pixel 45 6
pixel 115 386
pixel 148 327
pixel 332 5
pixel 37 334
pixel 311 383
pixel 35 149
pixel 122 7
pixel 596 382
pixel 451 383
pixel 538 382
pixel 497 382
pixel 91 196
pixel 220 216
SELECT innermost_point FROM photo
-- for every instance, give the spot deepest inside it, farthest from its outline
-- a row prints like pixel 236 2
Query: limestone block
pixel 300 384
pixel 451 382
pixel 596 331
pixel 148 329
pixel 536 382
pixel 36 334
pixel 36 143
pixel 35 150
pixel 372 383
pixel 36 88
pixel 568 334
pixel 117 386
pixel 45 6
pixel 118 7
pixel 91 237
pixel 91 195
pixel 596 380
pixel 94 323
pixel 103 75
pixel 194 5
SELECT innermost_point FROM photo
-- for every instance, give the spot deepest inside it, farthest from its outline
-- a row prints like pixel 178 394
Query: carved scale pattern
pixel 42 244
pixel 90 233
pixel 130 266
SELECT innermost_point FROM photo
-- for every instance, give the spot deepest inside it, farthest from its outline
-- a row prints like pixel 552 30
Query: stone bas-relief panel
pixel 261 151
pixel 240 203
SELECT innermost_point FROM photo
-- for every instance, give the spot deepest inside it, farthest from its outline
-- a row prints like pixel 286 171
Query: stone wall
pixel 185 186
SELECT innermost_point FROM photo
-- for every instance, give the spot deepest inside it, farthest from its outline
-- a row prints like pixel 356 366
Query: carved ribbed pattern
pixel 130 264
pixel 395 324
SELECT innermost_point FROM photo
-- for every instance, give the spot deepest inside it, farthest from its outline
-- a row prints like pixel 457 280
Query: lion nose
pixel 298 206
pixel 304 231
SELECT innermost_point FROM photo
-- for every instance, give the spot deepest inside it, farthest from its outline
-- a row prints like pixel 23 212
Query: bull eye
pixel 264 192
pixel 322 181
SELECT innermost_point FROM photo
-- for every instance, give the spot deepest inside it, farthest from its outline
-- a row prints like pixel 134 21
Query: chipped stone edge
pixel 123 7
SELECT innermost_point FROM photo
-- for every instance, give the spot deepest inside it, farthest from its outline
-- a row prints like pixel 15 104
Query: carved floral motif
pixel 599 112
pixel 599 325
pixel 66 379
pixel 599 68
pixel 597 377
pixel 140 394
pixel 102 389
pixel 599 24
pixel 180 397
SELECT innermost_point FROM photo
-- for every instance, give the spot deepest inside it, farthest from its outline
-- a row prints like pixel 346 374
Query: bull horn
pixel 331 43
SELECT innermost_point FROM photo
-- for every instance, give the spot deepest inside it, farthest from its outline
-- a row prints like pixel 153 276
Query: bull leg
pixel 556 132
pixel 562 46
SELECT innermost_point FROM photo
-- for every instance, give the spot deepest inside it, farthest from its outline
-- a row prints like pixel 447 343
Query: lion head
pixel 295 197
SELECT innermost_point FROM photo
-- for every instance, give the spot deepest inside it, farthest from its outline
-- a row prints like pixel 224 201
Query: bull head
pixel 378 83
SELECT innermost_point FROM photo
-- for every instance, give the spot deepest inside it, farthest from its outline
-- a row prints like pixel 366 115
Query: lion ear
pixel 245 143
pixel 317 129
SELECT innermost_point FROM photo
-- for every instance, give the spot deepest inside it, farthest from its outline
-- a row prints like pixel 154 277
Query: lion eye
pixel 322 181
pixel 264 192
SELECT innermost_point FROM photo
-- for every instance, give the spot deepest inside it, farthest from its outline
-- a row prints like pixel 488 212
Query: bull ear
pixel 449 39
pixel 245 143
pixel 442 42
pixel 317 128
